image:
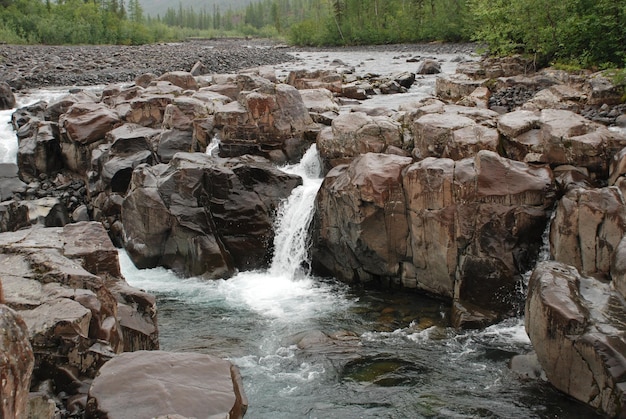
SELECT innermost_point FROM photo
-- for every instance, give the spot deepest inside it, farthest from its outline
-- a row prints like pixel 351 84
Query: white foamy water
pixel 8 138
pixel 284 291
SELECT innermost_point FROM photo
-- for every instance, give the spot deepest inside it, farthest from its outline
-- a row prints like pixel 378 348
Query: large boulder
pixel 16 363
pixel 10 182
pixel 152 384
pixel 463 230
pixel 559 137
pixel 356 133
pixel 39 149
pixel 361 231
pixel 453 132
pixel 587 229
pixel 201 215
pixel 263 120
pixel 82 128
pixel 574 323
pixel 7 98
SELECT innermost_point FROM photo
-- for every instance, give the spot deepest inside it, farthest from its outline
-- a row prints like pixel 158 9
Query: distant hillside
pixel 159 7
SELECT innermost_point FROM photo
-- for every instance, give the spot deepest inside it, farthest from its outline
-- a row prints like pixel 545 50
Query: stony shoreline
pixel 36 66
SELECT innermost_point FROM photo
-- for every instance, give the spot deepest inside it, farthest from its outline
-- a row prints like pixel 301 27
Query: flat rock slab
pixel 147 384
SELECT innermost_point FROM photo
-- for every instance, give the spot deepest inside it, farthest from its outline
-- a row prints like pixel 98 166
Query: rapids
pixel 312 347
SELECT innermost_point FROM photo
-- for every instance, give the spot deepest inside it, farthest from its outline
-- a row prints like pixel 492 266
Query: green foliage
pixel 583 32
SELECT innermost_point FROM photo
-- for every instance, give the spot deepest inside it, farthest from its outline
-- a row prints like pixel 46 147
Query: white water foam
pixel 8 138
pixel 285 291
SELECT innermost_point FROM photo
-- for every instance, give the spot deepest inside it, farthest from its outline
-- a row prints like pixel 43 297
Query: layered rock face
pixel 465 230
pixel 201 215
pixel 78 310
pixel 575 325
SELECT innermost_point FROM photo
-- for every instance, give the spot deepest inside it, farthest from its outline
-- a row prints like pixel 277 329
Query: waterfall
pixel 294 217
pixel 213 147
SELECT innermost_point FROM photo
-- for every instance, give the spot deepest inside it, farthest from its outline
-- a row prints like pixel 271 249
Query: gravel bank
pixel 34 66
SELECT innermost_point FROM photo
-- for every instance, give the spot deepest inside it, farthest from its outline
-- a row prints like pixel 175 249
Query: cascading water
pixel 395 355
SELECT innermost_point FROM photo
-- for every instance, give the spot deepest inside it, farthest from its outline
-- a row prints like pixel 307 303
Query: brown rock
pixel 16 364
pixel 151 384
pixel 182 79
pixel 587 228
pixel 581 352
pixel 362 228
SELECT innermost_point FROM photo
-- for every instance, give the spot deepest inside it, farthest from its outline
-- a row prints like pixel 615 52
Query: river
pixel 311 347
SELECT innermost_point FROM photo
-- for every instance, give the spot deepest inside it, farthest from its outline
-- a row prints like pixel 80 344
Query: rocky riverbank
pixel 35 66
pixel 449 195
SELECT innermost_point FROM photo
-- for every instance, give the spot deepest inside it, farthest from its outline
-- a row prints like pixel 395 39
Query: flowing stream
pixel 312 347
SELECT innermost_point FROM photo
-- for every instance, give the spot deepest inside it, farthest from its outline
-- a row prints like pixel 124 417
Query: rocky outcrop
pixel 587 229
pixel 356 133
pixel 574 323
pixel 151 384
pixel 559 137
pixel 66 285
pixel 16 363
pixel 201 215
pixel 464 230
pixel 454 132
pixel 270 121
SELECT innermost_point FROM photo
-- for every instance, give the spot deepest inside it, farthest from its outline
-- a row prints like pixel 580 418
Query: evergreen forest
pixel 585 33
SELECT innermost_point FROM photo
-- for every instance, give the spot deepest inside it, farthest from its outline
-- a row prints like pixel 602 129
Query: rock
pixel 361 231
pixel 478 98
pixel 354 134
pixel 112 164
pixel 181 113
pixel 601 90
pixel 404 79
pixel 620 121
pixel 319 100
pixel 455 133
pixel 145 79
pixel 151 384
pixel 86 123
pixel 428 66
pixel 49 212
pixel 16 364
pixel 198 69
pixel 10 183
pixel 77 320
pixel 579 341
pixel 39 149
pixel 618 268
pixel 559 137
pixel 617 166
pixel 264 119
pixel 316 79
pixel 7 98
pixel 148 108
pixel 89 243
pixel 587 228
pixel 82 129
pixel 463 230
pixel 13 216
pixel 202 215
pixel 455 87
pixel 182 79
pixel 174 141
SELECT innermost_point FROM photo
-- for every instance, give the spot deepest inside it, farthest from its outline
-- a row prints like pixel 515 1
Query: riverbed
pixel 311 347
